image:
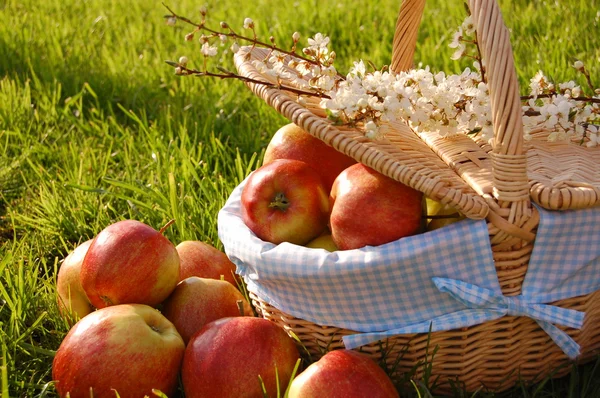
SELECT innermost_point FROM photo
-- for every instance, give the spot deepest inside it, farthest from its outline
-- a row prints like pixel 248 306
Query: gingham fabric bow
pixel 545 315
pixel 484 304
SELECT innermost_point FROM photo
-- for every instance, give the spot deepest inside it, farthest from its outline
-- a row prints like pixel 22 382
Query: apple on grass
pixel 128 348
pixel 198 301
pixel 370 208
pixel 197 258
pixel 292 142
pixel 343 374
pixel 285 201
pixel 129 262
pixel 229 358
pixel 73 303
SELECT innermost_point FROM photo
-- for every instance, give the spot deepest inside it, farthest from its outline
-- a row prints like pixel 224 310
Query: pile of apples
pixel 147 316
pixel 308 193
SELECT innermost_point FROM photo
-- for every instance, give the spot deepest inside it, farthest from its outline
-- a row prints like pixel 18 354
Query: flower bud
pixel 224 25
pixel 248 23
pixel 183 61
pixel 189 37
pixel 235 47
pixel 296 37
pixel 171 21
pixel 203 10
pixel 578 65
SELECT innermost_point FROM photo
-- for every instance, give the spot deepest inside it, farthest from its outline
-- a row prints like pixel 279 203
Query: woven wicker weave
pixel 497 182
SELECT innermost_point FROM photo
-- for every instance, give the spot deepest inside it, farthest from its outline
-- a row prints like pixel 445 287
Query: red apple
pixel 285 201
pixel 73 304
pixel 130 348
pixel 205 261
pixel 229 357
pixel 343 374
pixel 198 301
pixel 129 262
pixel 292 142
pixel 369 208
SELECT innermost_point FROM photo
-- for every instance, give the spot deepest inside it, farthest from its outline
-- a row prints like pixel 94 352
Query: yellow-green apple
pixel 292 142
pixel 370 208
pixel 73 304
pixel 128 348
pixel 324 241
pixel 129 262
pixel 343 374
pixel 198 301
pixel 200 259
pixel 229 357
pixel 285 201
pixel 441 214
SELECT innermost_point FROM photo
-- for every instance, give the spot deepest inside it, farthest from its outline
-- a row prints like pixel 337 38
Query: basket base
pixel 493 356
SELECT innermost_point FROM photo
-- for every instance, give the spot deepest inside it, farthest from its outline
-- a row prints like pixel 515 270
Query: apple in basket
pixel 292 142
pixel 343 374
pixel 285 201
pixel 73 303
pixel 200 259
pixel 441 214
pixel 324 241
pixel 128 348
pixel 129 262
pixel 237 357
pixel 198 301
pixel 369 208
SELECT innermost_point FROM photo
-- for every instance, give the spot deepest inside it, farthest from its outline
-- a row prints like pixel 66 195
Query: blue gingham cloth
pixel 439 280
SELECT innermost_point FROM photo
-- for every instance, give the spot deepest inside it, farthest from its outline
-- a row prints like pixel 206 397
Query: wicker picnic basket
pixel 496 182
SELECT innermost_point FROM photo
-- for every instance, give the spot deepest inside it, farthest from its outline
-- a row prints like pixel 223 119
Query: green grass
pixel 95 128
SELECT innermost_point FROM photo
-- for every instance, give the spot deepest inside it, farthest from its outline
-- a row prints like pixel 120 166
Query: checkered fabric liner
pixel 439 280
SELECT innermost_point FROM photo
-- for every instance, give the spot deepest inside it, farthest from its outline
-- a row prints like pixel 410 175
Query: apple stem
pixel 167 225
pixel 441 217
pixel 240 305
pixel 280 202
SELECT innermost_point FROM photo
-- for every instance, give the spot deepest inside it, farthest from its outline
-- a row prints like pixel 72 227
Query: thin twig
pixel 231 75
pixel 550 95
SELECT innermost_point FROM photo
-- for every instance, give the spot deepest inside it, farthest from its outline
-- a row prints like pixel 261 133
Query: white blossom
pixel 319 41
pixel 458 53
pixel 456 38
pixel 208 50
pixel 468 26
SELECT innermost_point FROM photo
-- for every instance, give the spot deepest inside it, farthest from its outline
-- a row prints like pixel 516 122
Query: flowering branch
pixel 433 102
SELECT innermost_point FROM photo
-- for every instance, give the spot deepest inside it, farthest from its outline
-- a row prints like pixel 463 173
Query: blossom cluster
pixel 447 104
pixel 562 110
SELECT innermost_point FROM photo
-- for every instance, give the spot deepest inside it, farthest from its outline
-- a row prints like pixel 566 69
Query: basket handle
pixel 509 163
